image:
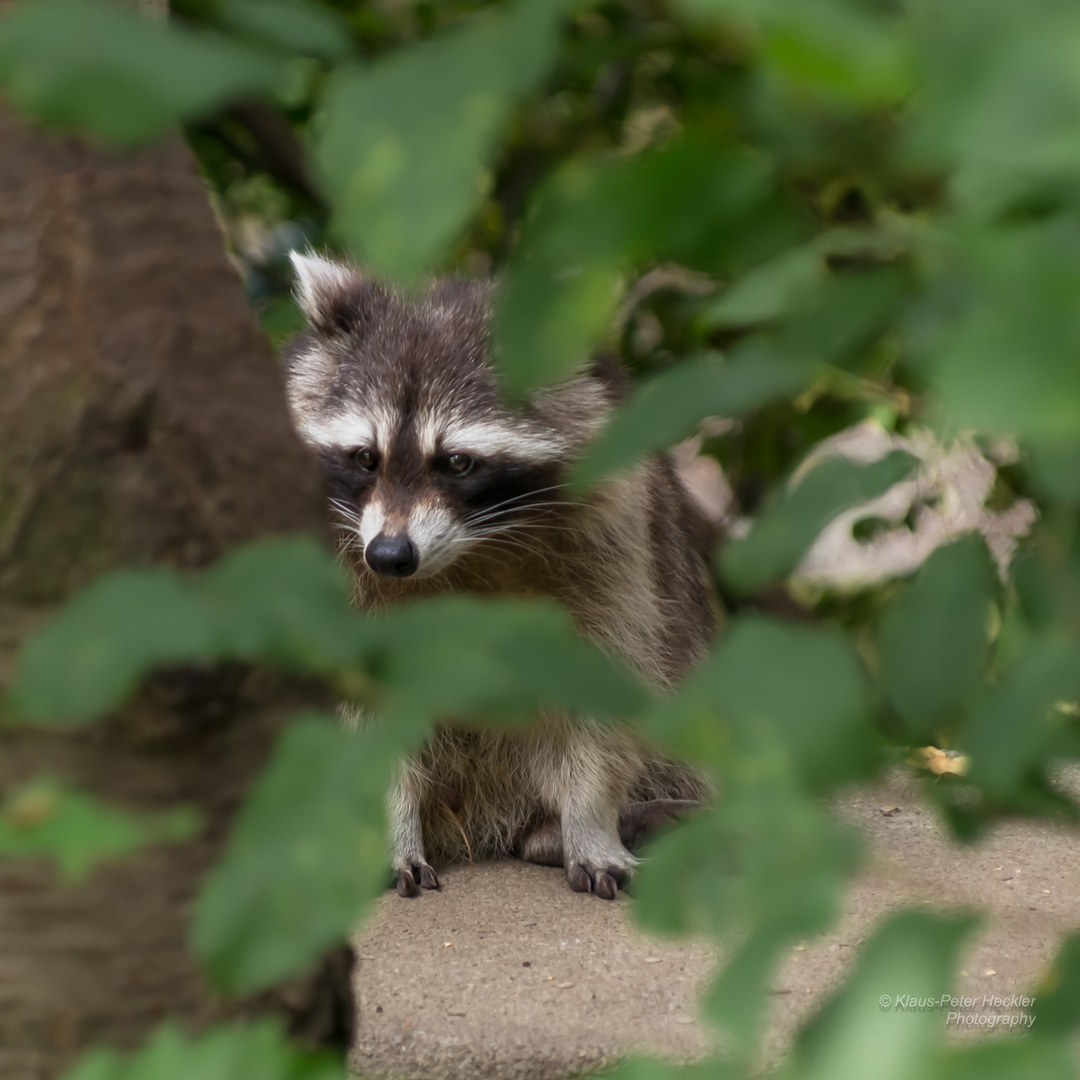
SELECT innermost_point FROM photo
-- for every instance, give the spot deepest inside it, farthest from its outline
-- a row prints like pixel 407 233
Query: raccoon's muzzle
pixel 392 556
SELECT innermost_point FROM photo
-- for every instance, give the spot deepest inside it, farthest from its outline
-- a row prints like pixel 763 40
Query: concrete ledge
pixel 507 973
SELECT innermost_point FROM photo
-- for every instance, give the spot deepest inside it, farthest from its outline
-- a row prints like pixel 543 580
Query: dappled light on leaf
pixel 942 762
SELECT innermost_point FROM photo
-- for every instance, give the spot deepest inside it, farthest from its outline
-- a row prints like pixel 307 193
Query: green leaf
pixel 47 820
pixel 1055 468
pixel 115 73
pixel 404 144
pixel 842 314
pixel 811 723
pixel 1000 1059
pixel 737 1000
pixel 840 50
pixel 863 1031
pixel 768 291
pixel 294 26
pixel 708 899
pixel 306 855
pixel 837 48
pixel 285 600
pixel 697 202
pixel 1057 995
pixel 791 522
pixel 460 655
pixel 1007 360
pixel 667 407
pixel 1012 729
pixel 934 638
pixel 998 100
pixel 92 655
pixel 780 713
pixel 765 867
pixel 258 1051
pixel 648 1069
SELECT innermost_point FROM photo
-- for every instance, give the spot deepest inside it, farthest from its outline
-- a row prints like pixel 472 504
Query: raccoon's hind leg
pixel 665 792
pixel 406 836
pixel 638 821
pixel 543 843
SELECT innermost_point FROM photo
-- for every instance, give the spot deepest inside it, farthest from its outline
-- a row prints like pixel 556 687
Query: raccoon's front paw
pixel 605 881
pixel 407 878
pixel 596 862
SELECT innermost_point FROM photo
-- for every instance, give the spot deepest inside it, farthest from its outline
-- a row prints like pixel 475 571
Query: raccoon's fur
pixel 440 484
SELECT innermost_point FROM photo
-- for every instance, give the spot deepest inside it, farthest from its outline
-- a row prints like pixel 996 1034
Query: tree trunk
pixel 141 421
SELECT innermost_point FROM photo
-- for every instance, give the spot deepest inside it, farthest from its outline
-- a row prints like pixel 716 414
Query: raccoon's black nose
pixel 392 556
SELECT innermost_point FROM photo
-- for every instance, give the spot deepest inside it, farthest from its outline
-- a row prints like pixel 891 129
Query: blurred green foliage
pixel 795 214
pixel 46 820
pixel 256 1050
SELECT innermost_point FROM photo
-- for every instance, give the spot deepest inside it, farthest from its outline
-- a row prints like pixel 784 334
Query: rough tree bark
pixel 141 421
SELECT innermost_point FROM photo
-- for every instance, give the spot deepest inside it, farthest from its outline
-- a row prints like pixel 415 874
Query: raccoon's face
pixel 399 399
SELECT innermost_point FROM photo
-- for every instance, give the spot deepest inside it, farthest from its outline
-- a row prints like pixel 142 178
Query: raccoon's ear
pixel 333 296
pixel 578 407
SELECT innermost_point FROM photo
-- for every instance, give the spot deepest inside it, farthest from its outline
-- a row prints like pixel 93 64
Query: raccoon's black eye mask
pixel 453 465
pixel 509 486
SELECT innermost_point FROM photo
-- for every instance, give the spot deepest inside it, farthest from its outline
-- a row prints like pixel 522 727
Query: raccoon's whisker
pixel 493 527
pixel 523 507
pixel 515 546
pixel 495 536
pixel 346 511
pixel 349 528
pixel 515 537
pixel 528 508
pixel 507 503
pixel 532 494
pixel 536 527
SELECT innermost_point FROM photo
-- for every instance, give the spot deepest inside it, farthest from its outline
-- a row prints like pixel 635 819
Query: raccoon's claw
pixel 406 883
pixel 406 880
pixel 605 882
pixel 606 885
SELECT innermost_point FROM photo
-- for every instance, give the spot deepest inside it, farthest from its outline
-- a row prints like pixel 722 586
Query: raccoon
pixel 439 483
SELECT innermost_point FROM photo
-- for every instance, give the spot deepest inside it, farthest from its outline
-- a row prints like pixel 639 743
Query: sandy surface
pixel 506 973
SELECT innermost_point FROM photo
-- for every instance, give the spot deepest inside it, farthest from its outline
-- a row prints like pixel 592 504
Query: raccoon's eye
pixel 366 459
pixel 459 464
